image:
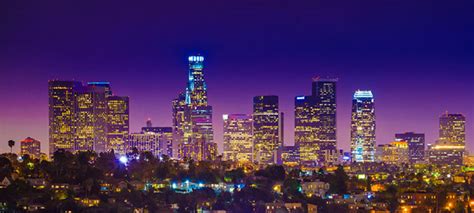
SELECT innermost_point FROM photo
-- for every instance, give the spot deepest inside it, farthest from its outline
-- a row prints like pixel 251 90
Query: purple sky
pixel 416 56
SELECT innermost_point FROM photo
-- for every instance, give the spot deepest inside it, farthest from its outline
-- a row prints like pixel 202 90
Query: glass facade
pixel 363 127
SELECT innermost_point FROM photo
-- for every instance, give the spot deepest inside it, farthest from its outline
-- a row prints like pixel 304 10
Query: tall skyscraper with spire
pixel 192 117
pixel 363 127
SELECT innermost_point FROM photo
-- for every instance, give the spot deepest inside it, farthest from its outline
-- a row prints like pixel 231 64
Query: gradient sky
pixel 416 56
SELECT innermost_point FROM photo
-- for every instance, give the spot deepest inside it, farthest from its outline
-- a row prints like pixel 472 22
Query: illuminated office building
pixel 363 127
pixel 149 142
pixel 396 152
pixel 306 137
pixel 99 91
pixel 266 128
pixel 449 149
pixel 31 147
pixel 62 114
pixel 324 92
pixel 165 139
pixel 416 145
pixel 452 129
pixel 91 117
pixel 181 125
pixel 85 120
pixel 118 123
pixel 238 140
pixel 192 116
pixel 442 154
pixel 288 156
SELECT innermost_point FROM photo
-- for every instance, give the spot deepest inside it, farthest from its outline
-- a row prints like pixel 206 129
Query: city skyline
pixel 409 73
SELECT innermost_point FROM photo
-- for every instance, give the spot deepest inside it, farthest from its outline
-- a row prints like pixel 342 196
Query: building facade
pixel 266 128
pixel 363 127
pixel 449 149
pixel 238 138
pixel 165 139
pixel 143 142
pixel 452 129
pixel 118 123
pixel 30 146
pixel 396 152
pixel 324 92
pixel 416 145
pixel 306 132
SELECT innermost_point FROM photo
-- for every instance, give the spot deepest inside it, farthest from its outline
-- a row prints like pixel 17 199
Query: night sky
pixel 416 56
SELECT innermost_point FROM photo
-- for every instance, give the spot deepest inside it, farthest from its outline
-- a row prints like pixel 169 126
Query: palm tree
pixel 11 143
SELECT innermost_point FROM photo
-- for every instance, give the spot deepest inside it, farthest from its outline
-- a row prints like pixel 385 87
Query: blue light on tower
pixel 300 98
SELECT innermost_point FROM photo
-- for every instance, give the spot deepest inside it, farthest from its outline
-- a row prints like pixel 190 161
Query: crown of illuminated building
pixel 361 94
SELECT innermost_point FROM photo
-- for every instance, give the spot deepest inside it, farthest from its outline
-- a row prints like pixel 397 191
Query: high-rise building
pixel 181 125
pixel 324 92
pixel 452 129
pixel 266 128
pixel 449 149
pixel 31 147
pixel 192 116
pixel 363 127
pixel 416 145
pixel 238 140
pixel 149 142
pixel 165 139
pixel 62 114
pixel 306 134
pixel 395 152
pixel 100 91
pixel 196 92
pixel 118 123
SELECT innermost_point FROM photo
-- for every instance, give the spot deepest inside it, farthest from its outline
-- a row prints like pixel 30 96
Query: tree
pixel 11 143
pixel 337 183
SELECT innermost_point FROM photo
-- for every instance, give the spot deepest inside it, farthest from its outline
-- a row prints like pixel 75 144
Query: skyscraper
pixel 165 139
pixel 118 123
pixel 85 120
pixel 452 129
pixel 148 142
pixel 181 125
pixel 363 127
pixel 266 128
pixel 450 147
pixel 31 147
pixel 238 140
pixel 100 91
pixel 324 92
pixel 192 117
pixel 62 114
pixel 306 134
pixel 416 145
